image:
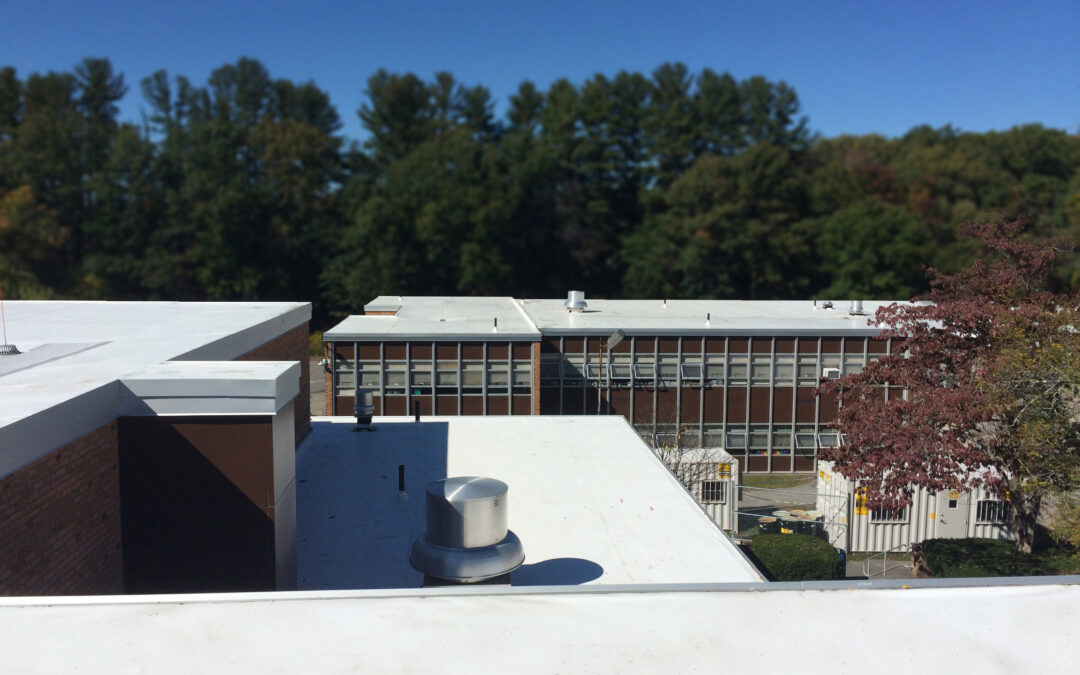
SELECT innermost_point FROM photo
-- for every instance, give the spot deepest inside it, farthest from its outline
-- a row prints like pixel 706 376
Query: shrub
pixel 979 558
pixel 797 557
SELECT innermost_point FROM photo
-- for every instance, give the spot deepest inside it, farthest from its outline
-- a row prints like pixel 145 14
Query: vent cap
pixel 575 301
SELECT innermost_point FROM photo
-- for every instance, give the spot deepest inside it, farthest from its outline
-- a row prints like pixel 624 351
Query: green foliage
pixel 952 558
pixel 797 557
pixel 672 183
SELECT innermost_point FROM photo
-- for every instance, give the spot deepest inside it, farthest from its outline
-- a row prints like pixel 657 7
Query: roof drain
pixel 466 540
pixel 575 301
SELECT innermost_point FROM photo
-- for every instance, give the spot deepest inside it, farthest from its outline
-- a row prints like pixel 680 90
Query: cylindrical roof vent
pixel 575 301
pixel 363 406
pixel 856 308
pixel 466 540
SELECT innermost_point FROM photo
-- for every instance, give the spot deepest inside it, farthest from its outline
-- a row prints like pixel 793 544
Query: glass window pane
pixel 737 369
pixel 760 369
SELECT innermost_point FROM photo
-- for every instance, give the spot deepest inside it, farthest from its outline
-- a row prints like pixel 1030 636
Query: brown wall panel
pixel 394 351
pixel 878 346
pixel 691 405
pixel 714 345
pixel 827 408
pixel 573 401
pixel 691 345
pixel 757 463
pixel 785 345
pixel 343 405
pixel 645 345
pixel 196 502
pixel 622 348
pixel 761 345
pixel 739 345
pixel 522 350
pixel 550 346
pixel 804 405
pixel 782 400
pixel 472 405
pixel 424 402
pixel 854 345
pixel 396 405
pixel 367 351
pixel 446 405
pixel 781 463
pixel 620 402
pixel 830 345
pixel 573 345
pixel 803 463
pixel 446 351
pixel 643 406
pixel 808 345
pixel 667 405
pixel 522 405
pixel 669 345
pixel 420 351
pixel 498 351
pixel 472 351
pixel 498 405
pixel 592 405
pixel 736 405
pixel 549 401
pixel 714 405
pixel 759 405
pixel 343 350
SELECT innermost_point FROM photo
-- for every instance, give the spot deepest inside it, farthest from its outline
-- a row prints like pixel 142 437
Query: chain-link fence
pixel 762 510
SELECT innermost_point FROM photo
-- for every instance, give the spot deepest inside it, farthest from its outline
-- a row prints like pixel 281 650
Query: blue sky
pixel 858 67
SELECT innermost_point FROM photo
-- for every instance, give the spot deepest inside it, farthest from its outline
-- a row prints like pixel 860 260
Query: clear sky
pixel 858 67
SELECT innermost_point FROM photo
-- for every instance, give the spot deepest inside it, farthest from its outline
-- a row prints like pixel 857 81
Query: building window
pixel 692 372
pixel 993 511
pixel 595 373
pixel 472 377
pixel 830 366
pixel 714 368
pixel 831 439
pixel 808 370
pixel 668 369
pixel 737 369
pixel 784 369
pixel 620 368
pixel 889 515
pixel 714 436
pixel 369 376
pixel 394 377
pixel 498 377
pixel 574 368
pixel 760 368
pixel 522 372
pixel 853 363
pixel 781 440
pixel 550 365
pixel 420 378
pixel 713 492
pixel 758 440
pixel 644 369
pixel 805 441
pixel 446 377
pixel 735 439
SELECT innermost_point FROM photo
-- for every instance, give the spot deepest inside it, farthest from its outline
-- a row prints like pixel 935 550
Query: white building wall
pixel 864 534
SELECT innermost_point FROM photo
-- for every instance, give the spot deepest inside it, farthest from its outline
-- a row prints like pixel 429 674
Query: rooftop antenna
pixel 5 348
pixel 708 318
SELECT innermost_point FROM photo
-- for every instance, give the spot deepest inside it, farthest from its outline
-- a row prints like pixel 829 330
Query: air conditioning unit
pixel 831 373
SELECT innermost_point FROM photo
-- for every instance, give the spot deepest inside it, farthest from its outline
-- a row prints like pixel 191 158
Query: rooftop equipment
pixel 856 308
pixel 466 540
pixel 575 301
pixel 364 409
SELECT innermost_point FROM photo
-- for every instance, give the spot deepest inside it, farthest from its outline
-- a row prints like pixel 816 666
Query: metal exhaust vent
pixel 466 539
pixel 856 308
pixel 9 350
pixel 575 301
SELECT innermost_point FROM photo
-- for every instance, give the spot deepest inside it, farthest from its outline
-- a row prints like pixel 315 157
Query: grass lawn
pixel 779 481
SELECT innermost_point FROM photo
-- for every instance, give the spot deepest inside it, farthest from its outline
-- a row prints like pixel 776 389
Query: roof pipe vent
pixel 575 301
pixel 856 308
pixel 466 540
pixel 9 350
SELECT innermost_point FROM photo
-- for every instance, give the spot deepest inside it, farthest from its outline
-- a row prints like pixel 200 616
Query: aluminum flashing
pixel 211 387
pixel 42 354
pixel 438 319
pixel 589 500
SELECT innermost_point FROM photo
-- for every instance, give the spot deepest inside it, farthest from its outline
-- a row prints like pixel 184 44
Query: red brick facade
pixel 60 521
pixel 290 346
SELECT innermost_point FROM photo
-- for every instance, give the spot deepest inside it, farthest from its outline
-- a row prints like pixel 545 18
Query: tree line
pixel 667 184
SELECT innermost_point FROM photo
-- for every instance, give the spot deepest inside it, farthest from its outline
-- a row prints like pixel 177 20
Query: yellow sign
pixel 932 515
pixel 860 502
pixel 723 470
pixel 953 494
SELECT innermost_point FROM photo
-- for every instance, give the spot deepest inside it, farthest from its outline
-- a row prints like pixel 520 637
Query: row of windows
pixel 712 369
pixel 987 511
pixel 740 439
pixel 418 377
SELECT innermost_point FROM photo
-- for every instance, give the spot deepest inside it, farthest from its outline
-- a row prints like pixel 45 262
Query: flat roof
pixel 469 318
pixel 703 317
pixel 438 318
pixel 587 497
pixel 66 382
pixel 902 626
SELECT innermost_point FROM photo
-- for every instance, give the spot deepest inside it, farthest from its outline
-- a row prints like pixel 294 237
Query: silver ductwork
pixel 466 540
pixel 575 301
pixel 363 406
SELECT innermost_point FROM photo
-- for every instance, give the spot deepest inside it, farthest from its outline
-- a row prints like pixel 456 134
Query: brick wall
pixel 290 346
pixel 60 521
pixel 328 377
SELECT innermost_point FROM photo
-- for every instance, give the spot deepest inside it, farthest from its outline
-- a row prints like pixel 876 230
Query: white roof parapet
pixel 210 388
pixel 437 319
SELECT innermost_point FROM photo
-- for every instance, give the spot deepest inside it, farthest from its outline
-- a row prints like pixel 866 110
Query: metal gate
pixel 781 511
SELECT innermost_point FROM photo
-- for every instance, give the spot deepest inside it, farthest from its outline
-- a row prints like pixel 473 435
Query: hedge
pixel 797 557
pixel 979 558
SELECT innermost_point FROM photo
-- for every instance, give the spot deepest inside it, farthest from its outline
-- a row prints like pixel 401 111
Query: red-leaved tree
pixel 988 364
